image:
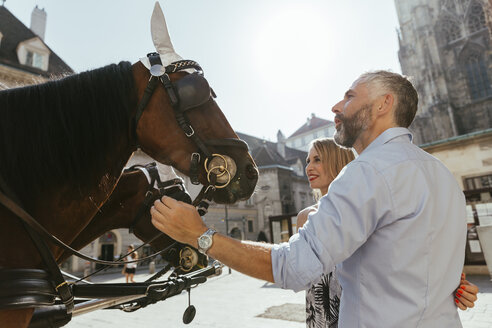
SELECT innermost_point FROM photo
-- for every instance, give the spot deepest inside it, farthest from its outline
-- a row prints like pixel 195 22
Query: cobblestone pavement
pixel 230 300
pixel 235 300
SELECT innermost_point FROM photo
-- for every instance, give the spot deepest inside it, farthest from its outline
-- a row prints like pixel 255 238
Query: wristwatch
pixel 205 241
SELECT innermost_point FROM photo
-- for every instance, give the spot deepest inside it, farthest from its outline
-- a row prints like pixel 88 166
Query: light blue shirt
pixel 394 223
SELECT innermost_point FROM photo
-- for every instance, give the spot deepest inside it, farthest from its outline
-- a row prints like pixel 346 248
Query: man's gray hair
pixel 406 98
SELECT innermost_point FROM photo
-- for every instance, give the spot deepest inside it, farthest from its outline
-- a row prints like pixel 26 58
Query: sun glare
pixel 293 43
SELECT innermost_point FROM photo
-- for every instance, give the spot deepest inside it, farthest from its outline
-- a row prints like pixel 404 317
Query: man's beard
pixel 352 127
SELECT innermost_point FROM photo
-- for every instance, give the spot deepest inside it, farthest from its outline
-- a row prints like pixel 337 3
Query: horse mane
pixel 63 130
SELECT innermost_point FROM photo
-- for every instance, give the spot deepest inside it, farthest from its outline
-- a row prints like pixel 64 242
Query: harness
pixel 21 288
pixel 172 188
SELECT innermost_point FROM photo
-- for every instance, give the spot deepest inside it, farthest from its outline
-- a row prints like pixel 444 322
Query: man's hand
pixel 181 222
pixel 178 220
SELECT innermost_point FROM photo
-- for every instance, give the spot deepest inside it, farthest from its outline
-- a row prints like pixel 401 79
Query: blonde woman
pixel 325 160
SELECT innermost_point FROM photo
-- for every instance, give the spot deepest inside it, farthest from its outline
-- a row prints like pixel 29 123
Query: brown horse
pixel 64 143
pixel 125 208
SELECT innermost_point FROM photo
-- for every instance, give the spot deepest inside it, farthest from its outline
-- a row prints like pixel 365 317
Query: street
pixel 235 300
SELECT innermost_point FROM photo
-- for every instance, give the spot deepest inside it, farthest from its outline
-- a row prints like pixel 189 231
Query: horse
pixel 128 208
pixel 64 144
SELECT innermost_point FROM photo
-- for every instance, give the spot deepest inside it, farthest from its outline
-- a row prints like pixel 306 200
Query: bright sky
pixel 271 62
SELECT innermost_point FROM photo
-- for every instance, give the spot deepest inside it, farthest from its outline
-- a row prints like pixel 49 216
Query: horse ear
pixel 160 35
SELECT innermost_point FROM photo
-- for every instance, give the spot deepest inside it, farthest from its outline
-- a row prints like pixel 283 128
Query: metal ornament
pixel 223 167
pixel 157 70
pixel 189 313
pixel 188 258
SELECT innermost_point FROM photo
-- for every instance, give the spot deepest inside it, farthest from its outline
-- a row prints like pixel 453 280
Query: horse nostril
pixel 251 172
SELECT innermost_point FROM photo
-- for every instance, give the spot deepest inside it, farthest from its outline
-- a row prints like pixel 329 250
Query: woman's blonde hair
pixel 332 156
pixel 132 248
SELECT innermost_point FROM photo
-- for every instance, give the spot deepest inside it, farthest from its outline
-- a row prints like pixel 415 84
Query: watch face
pixel 204 242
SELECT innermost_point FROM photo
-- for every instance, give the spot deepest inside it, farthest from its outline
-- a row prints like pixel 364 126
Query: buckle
pixel 191 133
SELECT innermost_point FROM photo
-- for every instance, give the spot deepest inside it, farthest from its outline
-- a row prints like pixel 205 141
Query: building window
pixel 476 75
pixel 476 18
pixel 249 201
pixel 34 59
pixel 481 182
pixel 303 199
pixel 250 226
pixel 450 30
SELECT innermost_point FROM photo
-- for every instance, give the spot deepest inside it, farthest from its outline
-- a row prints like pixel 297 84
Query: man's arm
pixel 181 222
pixel 251 258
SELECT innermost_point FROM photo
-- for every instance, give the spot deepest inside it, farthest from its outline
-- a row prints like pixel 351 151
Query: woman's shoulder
pixel 307 210
pixel 302 216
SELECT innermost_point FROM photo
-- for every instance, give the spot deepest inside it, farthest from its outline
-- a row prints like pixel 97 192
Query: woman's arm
pixel 466 294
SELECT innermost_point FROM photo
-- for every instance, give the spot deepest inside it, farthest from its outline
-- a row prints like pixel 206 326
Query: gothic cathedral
pixel 445 46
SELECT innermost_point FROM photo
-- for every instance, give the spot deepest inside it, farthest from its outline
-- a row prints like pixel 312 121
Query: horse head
pixel 182 111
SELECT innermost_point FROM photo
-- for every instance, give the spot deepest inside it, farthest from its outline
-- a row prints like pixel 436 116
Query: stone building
pixel 315 127
pixel 24 56
pixel 445 46
pixel 283 187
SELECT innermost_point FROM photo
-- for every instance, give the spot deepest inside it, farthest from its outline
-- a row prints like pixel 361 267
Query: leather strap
pixel 34 225
pixel 21 288
pixel 62 288
pixel 149 90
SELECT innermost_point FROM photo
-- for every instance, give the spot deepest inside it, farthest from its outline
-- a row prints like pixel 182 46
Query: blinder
pixel 192 90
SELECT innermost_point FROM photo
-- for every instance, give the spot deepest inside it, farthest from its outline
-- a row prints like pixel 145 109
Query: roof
pixel 15 32
pixel 452 140
pixel 312 123
pixel 265 152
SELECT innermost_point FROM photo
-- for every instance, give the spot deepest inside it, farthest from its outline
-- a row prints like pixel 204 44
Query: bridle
pixel 187 93
pixel 173 188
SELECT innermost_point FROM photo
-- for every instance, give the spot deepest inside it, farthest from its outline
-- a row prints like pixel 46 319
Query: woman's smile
pixel 312 177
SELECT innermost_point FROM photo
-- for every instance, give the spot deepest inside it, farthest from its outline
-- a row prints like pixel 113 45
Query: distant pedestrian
pixel 130 268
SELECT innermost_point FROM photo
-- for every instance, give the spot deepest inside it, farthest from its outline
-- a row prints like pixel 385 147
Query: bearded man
pixel 393 221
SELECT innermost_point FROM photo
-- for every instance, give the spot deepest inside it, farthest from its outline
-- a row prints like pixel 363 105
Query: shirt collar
pixel 389 135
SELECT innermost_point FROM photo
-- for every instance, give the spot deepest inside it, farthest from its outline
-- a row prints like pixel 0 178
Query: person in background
pixel 130 268
pixel 324 162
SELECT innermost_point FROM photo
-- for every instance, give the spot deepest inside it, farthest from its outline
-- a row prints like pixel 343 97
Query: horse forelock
pixel 64 130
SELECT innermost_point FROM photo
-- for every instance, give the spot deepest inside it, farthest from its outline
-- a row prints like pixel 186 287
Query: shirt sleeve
pixel 347 215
